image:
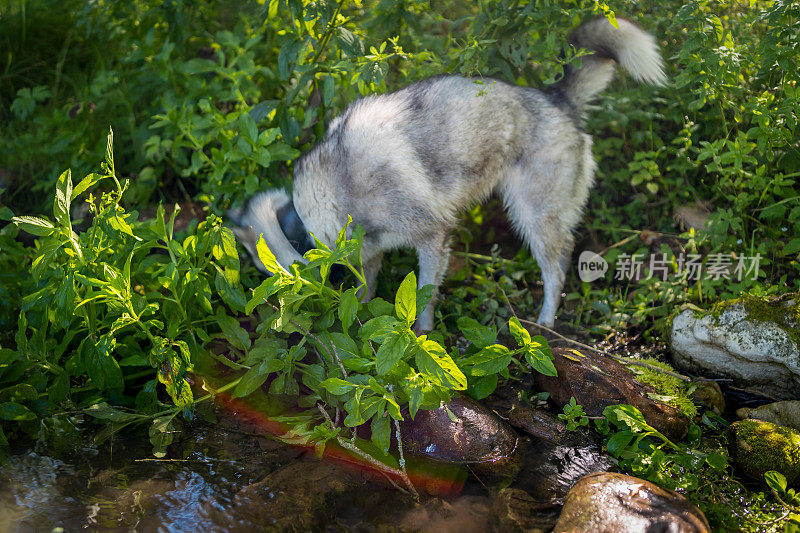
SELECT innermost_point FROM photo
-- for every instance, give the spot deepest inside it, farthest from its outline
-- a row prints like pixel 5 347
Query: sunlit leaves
pixel 440 368
pixel 406 300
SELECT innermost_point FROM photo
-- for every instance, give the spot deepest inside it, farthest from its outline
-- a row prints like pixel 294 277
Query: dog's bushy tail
pixel 629 46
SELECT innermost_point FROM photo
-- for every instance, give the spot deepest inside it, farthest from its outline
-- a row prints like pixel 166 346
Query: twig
pixel 625 360
pixel 620 243
pixel 756 392
pixel 508 303
pixel 382 467
pixel 403 460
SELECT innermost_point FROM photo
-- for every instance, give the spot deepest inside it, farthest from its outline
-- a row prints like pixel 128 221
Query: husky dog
pixel 405 164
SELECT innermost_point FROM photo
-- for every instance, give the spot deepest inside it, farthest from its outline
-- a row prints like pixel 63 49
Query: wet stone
pixel 555 458
pixel 596 382
pixel 616 503
pixel 551 470
pixel 477 437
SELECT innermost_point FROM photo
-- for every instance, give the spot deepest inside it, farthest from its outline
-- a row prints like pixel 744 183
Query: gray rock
pixel 616 503
pixel 779 413
pixel 757 354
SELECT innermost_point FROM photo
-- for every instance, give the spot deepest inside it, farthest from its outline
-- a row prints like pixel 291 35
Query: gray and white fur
pixel 405 164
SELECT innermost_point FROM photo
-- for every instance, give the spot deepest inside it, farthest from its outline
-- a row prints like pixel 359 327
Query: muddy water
pixel 217 480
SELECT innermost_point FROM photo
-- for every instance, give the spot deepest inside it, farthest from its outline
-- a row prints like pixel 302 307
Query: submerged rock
pixel 475 436
pixel 298 497
pixel 754 342
pixel 519 511
pixel 758 447
pixel 596 382
pixel 779 413
pixel 616 503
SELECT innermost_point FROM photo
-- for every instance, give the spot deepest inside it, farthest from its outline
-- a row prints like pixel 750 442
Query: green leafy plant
pixel 574 415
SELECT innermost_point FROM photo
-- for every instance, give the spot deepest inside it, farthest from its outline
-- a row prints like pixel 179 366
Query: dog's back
pixel 407 162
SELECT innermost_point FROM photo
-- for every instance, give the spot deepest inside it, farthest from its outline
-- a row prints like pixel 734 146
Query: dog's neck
pixel 293 228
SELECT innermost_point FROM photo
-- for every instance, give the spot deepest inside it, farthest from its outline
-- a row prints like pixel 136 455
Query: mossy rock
pixel 755 342
pixel 758 447
pixel 672 389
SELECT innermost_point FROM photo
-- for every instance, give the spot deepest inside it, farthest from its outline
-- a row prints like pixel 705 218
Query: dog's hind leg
pixel 433 255
pixel 547 230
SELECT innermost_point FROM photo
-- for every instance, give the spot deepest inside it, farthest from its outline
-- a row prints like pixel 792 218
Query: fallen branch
pixel 624 360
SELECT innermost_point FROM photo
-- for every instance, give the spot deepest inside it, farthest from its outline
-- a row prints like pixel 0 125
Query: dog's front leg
pixel 371 268
pixel 433 257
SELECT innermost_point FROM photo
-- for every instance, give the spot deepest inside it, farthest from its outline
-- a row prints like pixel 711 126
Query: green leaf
pixel 62 199
pixel 20 392
pixel 791 247
pixel 84 184
pixel 59 389
pixel 381 432
pixel 627 416
pixel 390 352
pixel 233 332
pixel 161 434
pixel 415 396
pixel 16 412
pixel 104 411
pixel 475 332
pixel 438 366
pixel 336 386
pixel 717 460
pixel 379 306
pixel 251 380
pixel 776 481
pixel 405 303
pixel 40 227
pixel 483 387
pixel 348 308
pixel 268 258
pixel 539 360
pixel 490 360
pixel 267 288
pixel 424 296
pixel 378 328
pixel 619 441
pixel 521 334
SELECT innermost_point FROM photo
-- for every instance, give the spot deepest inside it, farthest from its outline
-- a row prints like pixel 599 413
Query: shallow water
pixel 218 480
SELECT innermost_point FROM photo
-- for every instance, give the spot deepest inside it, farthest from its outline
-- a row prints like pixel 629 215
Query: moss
pixel 778 311
pixel 666 385
pixel 759 447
